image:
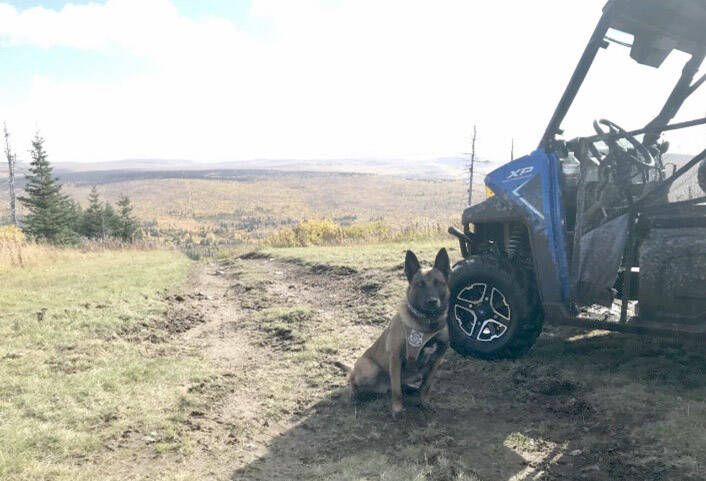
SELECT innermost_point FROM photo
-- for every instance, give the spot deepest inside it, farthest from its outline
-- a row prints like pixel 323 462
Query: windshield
pixel 631 95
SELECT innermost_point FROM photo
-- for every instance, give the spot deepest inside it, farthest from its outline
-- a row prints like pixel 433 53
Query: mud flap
pixel 600 253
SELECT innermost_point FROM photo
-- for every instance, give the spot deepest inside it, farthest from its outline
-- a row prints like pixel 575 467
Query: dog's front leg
pixel 426 385
pixel 396 381
pixel 429 379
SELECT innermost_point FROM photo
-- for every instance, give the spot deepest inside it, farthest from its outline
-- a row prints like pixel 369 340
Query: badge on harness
pixel 415 338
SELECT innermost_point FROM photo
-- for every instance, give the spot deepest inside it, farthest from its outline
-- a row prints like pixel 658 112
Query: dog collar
pixel 420 315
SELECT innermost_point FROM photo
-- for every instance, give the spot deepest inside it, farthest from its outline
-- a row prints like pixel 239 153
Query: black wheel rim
pixel 482 313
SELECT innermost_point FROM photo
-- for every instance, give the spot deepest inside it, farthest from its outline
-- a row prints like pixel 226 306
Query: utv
pixel 605 219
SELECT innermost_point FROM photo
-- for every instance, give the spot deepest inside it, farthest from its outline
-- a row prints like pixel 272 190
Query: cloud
pixel 351 78
pixel 150 28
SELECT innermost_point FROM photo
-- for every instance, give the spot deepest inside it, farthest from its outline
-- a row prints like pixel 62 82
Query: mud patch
pixel 141 331
pixel 282 339
pixel 181 320
pixel 254 255
pixel 331 270
pixel 369 283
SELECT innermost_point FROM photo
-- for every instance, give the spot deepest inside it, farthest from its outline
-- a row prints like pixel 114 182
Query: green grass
pixel 71 383
pixel 374 256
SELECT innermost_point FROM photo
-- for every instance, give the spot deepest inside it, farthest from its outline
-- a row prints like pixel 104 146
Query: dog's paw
pixel 397 409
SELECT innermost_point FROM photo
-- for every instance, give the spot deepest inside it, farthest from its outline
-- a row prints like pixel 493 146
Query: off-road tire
pixel 702 176
pixel 525 312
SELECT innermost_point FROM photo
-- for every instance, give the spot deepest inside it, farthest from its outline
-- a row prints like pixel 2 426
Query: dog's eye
pixel 419 283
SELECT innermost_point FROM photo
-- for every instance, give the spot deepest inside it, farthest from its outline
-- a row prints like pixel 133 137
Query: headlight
pixel 489 192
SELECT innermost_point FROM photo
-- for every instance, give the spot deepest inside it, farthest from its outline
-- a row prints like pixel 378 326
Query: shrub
pixel 326 232
pixel 318 232
pixel 10 233
pixel 282 238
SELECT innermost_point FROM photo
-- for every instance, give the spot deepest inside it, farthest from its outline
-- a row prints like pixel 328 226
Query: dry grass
pixel 326 232
pixel 76 379
pixel 198 211
pixel 16 252
pixel 30 254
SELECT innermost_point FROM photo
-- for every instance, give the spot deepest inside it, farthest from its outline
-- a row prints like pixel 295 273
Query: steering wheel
pixel 641 156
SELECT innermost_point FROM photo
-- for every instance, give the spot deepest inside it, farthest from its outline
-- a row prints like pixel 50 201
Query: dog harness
pixel 416 341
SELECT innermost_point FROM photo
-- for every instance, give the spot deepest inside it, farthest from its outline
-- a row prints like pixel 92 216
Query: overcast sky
pixel 215 80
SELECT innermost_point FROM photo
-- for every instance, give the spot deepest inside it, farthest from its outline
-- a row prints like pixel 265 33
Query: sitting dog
pixel 407 354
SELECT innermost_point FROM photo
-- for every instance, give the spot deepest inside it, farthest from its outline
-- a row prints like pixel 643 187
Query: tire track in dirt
pixel 219 313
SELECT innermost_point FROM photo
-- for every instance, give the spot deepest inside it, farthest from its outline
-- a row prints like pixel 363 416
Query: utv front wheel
pixel 491 314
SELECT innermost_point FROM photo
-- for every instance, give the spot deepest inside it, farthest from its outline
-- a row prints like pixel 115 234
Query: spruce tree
pixel 92 225
pixel 111 222
pixel 128 226
pixel 50 216
pixel 76 216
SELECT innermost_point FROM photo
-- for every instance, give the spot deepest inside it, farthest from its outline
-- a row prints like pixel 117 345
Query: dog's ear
pixel 442 264
pixel 411 265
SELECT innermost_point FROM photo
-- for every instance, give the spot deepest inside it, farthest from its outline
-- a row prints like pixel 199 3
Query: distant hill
pixel 433 168
pixel 442 168
pixel 240 175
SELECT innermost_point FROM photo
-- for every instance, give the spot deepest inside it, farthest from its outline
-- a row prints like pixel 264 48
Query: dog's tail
pixel 342 367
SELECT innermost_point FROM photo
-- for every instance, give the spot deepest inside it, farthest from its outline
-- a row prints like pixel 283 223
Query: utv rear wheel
pixel 492 315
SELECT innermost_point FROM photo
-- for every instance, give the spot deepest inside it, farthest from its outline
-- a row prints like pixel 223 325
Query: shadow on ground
pixel 580 406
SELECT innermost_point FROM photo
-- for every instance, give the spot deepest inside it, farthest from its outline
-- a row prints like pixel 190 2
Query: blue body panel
pixel 532 184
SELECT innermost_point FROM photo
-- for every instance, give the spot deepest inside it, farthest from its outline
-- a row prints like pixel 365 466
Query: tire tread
pixel 530 322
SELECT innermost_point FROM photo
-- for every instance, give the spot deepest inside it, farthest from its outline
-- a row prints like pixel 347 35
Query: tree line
pixel 54 217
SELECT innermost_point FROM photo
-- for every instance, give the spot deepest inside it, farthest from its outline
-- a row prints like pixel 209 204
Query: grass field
pixel 77 381
pixel 231 375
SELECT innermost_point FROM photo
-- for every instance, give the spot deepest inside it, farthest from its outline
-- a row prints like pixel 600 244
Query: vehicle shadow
pixel 568 410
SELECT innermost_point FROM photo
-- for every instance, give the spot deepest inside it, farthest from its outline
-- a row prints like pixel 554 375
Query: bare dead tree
pixel 11 161
pixel 471 165
pixel 512 149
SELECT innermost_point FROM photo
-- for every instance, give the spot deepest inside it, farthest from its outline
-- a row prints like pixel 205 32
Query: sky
pixel 222 80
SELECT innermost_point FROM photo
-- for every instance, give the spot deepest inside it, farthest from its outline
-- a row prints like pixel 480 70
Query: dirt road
pixel 580 406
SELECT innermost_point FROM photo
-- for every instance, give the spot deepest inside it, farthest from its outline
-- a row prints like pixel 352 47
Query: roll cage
pixel 657 27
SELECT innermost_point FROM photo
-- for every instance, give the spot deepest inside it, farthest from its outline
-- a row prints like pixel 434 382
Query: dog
pixel 407 354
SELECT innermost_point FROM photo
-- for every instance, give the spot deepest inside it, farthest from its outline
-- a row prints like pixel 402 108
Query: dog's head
pixel 428 291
